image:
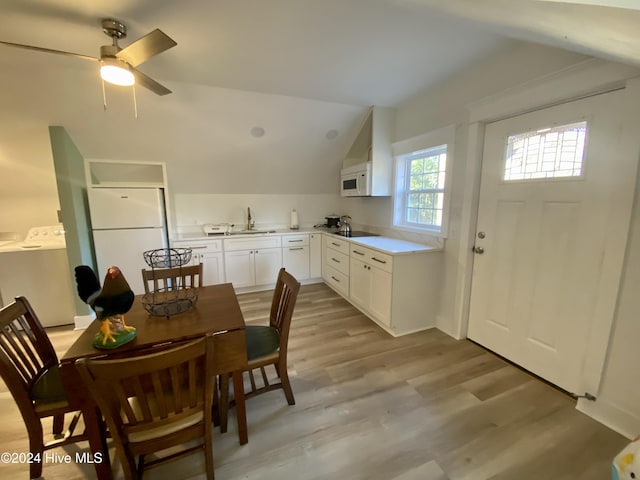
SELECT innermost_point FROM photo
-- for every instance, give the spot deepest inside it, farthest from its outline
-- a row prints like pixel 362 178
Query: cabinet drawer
pixel 337 280
pixel 337 244
pixel 296 261
pixel 200 246
pixel 295 240
pixel 337 260
pixel 231 244
pixel 373 257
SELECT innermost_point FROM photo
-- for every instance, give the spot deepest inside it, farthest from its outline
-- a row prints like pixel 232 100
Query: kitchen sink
pixel 250 232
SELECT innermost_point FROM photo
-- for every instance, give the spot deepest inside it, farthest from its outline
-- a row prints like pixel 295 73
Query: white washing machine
pixel 37 268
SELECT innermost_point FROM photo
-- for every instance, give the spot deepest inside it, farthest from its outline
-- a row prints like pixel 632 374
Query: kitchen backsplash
pixel 191 211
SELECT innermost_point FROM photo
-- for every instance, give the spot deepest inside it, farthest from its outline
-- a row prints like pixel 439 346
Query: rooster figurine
pixel 110 302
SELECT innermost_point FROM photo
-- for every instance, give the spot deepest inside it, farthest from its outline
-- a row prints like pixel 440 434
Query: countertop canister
pixel 294 224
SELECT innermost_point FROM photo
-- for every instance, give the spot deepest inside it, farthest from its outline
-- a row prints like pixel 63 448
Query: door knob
pixel 478 250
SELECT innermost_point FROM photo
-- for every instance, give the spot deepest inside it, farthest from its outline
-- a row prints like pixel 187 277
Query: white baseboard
pixel 611 416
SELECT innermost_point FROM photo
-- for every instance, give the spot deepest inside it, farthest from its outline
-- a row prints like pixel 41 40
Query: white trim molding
pixel 583 79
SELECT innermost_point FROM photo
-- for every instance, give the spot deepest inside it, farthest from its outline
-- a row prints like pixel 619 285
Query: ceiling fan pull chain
pixel 104 96
pixel 135 103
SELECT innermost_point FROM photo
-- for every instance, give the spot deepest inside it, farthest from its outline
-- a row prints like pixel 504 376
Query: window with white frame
pixel 421 197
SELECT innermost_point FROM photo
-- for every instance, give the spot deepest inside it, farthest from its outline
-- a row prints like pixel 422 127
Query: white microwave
pixel 356 181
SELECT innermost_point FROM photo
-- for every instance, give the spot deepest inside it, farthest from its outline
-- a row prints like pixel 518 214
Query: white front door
pixel 543 262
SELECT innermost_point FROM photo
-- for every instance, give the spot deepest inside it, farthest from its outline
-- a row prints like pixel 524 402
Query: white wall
pixel 458 101
pixel 19 214
pixel 267 210
pixel 618 403
pixel 447 103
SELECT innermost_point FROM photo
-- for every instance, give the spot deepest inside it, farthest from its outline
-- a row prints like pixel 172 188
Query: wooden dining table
pixel 217 310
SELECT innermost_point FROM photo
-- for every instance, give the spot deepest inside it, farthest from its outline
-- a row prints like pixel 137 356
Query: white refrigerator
pixel 127 222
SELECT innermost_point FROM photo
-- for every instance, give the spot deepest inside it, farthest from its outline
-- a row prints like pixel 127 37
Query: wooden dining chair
pixel 267 345
pixel 165 279
pixel 156 401
pixel 29 367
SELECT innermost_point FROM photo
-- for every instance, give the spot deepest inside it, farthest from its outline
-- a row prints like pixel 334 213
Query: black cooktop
pixel 357 233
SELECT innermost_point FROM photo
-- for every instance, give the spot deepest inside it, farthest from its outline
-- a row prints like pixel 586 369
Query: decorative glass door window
pixel 546 153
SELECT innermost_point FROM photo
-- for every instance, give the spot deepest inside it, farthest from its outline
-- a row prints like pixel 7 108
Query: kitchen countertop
pixel 391 245
pixel 271 231
pixel 388 245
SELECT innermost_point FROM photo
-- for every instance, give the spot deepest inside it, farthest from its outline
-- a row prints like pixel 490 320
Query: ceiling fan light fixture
pixel 116 72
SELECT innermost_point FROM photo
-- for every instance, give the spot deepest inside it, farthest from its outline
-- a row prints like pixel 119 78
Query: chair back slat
pixel 140 393
pixel 158 395
pixel 15 356
pixel 22 346
pixel 119 402
pixel 175 388
pixel 192 383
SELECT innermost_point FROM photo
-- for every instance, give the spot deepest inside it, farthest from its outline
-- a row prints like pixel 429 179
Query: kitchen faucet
pixel 250 222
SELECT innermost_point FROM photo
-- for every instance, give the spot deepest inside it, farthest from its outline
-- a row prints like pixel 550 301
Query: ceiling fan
pixel 117 64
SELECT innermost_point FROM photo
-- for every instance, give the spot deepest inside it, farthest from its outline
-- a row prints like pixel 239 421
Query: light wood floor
pixel 369 406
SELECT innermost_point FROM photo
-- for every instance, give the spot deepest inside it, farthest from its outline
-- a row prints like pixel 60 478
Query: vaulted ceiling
pixel 297 68
pixel 359 52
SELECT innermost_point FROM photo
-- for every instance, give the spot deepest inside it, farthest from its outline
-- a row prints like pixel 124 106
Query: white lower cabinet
pixel 268 262
pixel 240 268
pixel 380 283
pixel 209 253
pixel 252 262
pixel 296 261
pixel 369 285
pixel 212 267
pixel 335 264
pixel 295 255
pixel 359 284
pixel 399 292
pixel 315 255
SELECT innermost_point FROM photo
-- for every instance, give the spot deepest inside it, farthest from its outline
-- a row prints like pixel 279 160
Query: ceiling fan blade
pixel 148 82
pixel 49 50
pixel 146 47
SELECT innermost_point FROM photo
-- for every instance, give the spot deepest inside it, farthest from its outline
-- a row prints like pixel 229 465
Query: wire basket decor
pixel 171 295
pixel 167 257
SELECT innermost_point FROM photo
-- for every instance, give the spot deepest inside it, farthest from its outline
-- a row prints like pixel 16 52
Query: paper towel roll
pixel 294 220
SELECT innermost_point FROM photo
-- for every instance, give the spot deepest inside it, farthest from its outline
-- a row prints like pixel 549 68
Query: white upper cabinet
pixel 373 144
